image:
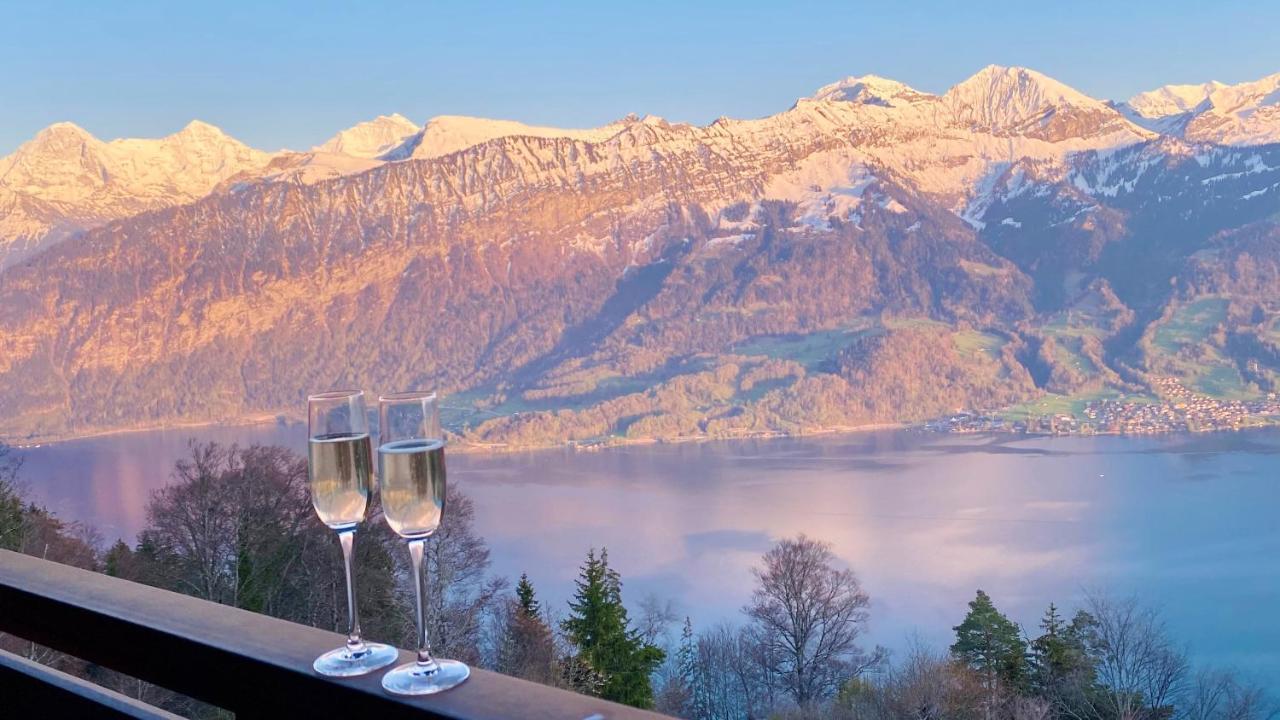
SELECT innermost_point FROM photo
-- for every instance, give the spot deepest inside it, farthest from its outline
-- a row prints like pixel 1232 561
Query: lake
pixel 1188 523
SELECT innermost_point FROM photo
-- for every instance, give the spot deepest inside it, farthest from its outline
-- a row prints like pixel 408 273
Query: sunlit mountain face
pixel 872 254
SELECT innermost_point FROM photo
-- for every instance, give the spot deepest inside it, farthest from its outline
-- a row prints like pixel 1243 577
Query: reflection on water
pixel 1187 523
pixel 106 481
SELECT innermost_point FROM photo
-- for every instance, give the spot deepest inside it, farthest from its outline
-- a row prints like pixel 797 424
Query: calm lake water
pixel 1187 523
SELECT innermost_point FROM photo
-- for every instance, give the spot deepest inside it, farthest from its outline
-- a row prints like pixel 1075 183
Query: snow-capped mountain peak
pixel 1244 114
pixel 447 134
pixel 89 181
pixel 1018 101
pixel 870 90
pixel 1172 99
pixel 61 153
pixel 1258 93
pixel 62 138
pixel 947 146
pixel 372 138
pixel 998 97
pixel 200 128
pixel 63 129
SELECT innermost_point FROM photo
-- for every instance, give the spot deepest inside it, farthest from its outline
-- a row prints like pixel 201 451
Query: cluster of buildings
pixel 1175 408
pixel 966 422
pixel 1178 409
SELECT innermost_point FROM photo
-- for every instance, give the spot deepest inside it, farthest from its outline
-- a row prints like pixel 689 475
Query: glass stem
pixel 348 539
pixel 416 550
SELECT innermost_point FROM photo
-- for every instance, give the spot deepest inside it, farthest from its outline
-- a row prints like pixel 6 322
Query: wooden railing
pixel 250 664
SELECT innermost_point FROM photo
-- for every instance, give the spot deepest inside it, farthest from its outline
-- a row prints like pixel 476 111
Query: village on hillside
pixel 1175 408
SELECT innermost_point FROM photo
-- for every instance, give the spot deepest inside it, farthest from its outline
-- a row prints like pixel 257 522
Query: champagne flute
pixel 339 469
pixel 411 469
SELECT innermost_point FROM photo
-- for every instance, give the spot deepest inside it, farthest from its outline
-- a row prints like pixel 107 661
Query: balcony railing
pixel 250 664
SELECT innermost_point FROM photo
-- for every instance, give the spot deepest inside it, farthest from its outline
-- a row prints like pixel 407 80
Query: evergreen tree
pixel 990 644
pixel 529 605
pixel 1049 651
pixel 526 649
pixel 680 692
pixel 598 626
pixel 118 559
pixel 1060 655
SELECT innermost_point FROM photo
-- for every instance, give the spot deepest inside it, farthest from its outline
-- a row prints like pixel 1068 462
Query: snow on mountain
pixel 395 139
pixel 1213 112
pixel 450 133
pixel 1172 99
pixel 950 146
pixel 1244 114
pixel 1017 101
pixel 61 163
pixel 870 90
pixel 372 138
pixel 303 168
pixel 65 179
pixel 66 164
pixel 377 142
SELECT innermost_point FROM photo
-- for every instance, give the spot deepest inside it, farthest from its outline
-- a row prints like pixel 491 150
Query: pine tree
pixel 991 644
pixel 118 559
pixel 1060 657
pixel 1049 649
pixel 687 672
pixel 599 628
pixel 592 614
pixel 680 679
pixel 526 650
pixel 528 603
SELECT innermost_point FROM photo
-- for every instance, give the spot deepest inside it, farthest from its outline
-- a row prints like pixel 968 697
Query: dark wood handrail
pixel 33 690
pixel 251 664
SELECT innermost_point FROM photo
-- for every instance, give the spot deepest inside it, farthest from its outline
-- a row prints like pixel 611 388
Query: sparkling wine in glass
pixel 411 470
pixel 340 473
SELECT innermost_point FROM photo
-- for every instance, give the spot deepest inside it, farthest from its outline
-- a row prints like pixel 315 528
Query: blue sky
pixel 289 74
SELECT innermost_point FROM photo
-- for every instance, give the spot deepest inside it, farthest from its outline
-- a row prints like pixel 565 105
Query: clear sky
pixel 289 74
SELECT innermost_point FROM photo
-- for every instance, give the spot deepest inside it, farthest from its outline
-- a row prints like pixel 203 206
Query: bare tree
pixel 236 526
pixel 1139 672
pixel 460 593
pixel 232 526
pixel 1223 696
pixel 653 622
pixel 191 536
pixel 807 615
pixel 732 681
pixel 1021 707
pixel 925 685
pixel 655 619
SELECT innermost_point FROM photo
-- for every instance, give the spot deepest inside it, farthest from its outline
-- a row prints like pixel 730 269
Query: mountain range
pixel 872 254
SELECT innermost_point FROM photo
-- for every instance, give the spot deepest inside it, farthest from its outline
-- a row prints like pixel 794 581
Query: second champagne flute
pixel 411 470
pixel 340 473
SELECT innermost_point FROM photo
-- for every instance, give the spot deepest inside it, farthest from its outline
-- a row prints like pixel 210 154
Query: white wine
pixel 340 470
pixel 413 485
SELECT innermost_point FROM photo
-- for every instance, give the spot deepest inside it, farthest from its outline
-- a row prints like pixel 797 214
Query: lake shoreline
pixel 462 446
pixel 60 438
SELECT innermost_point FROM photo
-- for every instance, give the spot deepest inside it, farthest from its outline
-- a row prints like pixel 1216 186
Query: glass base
pixel 344 663
pixel 415 679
